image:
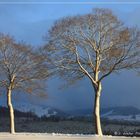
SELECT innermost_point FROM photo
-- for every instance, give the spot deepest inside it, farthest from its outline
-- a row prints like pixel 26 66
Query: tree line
pixel 93 45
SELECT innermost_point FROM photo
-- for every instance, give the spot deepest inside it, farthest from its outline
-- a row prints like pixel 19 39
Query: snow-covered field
pixel 38 136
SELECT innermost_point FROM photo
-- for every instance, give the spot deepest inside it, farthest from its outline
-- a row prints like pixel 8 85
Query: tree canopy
pixel 21 63
pixel 76 43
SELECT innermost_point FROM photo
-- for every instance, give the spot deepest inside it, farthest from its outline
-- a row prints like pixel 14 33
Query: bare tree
pixel 21 68
pixel 92 45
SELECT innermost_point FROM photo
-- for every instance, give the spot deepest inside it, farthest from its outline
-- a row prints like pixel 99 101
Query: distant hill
pixel 25 110
pixel 80 112
pixel 128 113
pixel 4 112
pixel 127 110
pixel 41 110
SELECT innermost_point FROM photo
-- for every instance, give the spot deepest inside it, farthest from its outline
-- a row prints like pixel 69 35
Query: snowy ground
pixel 37 136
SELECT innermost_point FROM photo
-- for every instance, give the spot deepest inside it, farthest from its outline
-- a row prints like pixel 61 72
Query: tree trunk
pixel 98 128
pixel 11 110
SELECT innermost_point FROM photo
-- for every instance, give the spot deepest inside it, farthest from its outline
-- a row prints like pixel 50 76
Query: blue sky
pixel 29 21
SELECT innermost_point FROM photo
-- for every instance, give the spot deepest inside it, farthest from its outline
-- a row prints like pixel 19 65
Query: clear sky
pixel 29 20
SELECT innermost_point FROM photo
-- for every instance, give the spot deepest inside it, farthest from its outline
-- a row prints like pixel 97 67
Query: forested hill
pixel 4 112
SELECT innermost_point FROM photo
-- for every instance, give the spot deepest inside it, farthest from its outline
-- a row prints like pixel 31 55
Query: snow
pixel 35 109
pixel 107 114
pixel 111 116
pixel 54 136
pixel 38 110
pixel 126 118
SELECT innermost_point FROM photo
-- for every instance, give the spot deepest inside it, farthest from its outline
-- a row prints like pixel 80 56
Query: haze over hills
pixel 128 113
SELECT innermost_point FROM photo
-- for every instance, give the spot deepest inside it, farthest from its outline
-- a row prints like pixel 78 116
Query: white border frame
pixel 69 3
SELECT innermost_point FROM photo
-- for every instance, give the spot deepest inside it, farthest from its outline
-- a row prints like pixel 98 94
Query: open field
pixel 38 136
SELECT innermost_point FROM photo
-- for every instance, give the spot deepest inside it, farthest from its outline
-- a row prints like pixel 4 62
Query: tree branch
pixel 82 68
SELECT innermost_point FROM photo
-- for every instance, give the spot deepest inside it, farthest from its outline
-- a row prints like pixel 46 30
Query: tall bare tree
pixel 94 46
pixel 21 68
